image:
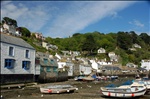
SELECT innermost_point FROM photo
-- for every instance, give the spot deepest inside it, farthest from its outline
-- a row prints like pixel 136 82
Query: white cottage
pixel 145 64
pixel 17 60
pixel 101 50
pixel 11 28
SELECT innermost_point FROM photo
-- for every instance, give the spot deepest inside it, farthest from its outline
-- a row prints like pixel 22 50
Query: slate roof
pixel 15 41
pixel 43 56
pixel 111 68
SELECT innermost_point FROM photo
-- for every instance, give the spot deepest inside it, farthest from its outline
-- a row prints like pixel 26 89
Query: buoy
pixel 57 91
pixel 132 94
pixel 49 91
pixel 1 96
pixel 68 90
pixel 108 93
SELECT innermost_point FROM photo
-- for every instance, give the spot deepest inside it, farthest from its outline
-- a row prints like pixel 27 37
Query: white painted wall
pixel 37 69
pixel 19 56
pixel 70 72
pixel 94 65
pixel 105 63
pixel 145 64
pixel 86 69
pixel 61 64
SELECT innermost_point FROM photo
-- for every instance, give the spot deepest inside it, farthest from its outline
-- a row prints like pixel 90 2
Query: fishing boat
pixel 89 78
pixel 122 92
pixel 125 91
pixel 146 83
pixel 58 89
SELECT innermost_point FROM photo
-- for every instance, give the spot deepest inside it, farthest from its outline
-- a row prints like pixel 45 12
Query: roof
pixel 15 41
pixel 51 61
pixel 111 68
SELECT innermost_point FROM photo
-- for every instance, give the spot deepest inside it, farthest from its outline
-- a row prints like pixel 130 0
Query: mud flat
pixel 87 90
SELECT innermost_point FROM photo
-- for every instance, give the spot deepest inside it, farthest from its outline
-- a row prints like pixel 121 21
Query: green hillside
pixel 117 42
pixel 88 43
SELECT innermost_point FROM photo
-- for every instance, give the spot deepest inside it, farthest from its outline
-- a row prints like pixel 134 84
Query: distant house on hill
pixel 101 50
pixel 145 64
pixel 113 57
pixel 18 33
pixel 136 46
pixel 17 60
pixel 39 36
pixel 49 46
pixel 131 65
pixel 9 28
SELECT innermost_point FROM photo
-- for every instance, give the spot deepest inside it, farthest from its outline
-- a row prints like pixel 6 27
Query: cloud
pixel 61 19
pixel 34 18
pixel 82 14
pixel 137 23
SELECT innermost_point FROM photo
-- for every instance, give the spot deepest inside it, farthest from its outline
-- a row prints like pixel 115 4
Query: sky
pixel 65 18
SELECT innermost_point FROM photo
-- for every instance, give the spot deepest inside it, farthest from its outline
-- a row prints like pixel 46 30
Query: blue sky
pixel 64 18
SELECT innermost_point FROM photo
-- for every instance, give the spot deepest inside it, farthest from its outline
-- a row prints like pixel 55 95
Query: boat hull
pixel 123 94
pixel 58 89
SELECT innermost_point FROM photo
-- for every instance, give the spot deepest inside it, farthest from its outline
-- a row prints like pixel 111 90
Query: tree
pixel 124 40
pixel 89 44
pixel 76 34
pixel 25 32
pixel 145 38
pixel 134 37
pixel 9 21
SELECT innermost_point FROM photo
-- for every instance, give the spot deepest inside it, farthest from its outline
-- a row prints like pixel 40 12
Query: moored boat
pixel 125 91
pixel 89 78
pixel 146 83
pixel 58 89
pixel 122 92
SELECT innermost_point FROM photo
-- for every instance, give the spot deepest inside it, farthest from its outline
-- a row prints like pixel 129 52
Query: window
pixel 27 54
pixel 41 69
pixel 37 61
pixel 45 61
pixel 9 63
pixel 52 61
pixel 26 65
pixel 48 69
pixel 55 69
pixel 11 51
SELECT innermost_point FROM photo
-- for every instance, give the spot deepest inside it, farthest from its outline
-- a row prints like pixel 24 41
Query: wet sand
pixel 87 90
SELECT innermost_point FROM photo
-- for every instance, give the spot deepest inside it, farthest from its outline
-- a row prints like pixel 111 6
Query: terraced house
pixel 49 69
pixel 17 60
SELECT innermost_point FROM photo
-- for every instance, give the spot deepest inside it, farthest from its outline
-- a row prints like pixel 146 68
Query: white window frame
pixel 28 53
pixel 13 51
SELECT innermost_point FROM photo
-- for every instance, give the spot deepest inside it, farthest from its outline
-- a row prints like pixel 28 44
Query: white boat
pixel 146 83
pixel 89 78
pixel 125 91
pixel 57 89
pixel 122 92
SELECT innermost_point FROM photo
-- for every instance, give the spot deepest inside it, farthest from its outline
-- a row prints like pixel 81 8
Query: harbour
pixel 86 90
